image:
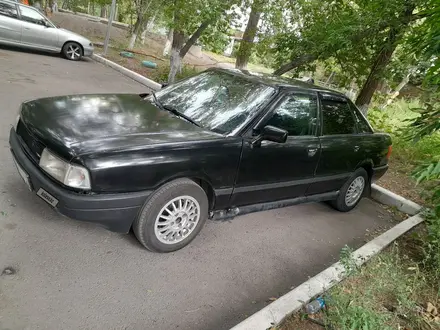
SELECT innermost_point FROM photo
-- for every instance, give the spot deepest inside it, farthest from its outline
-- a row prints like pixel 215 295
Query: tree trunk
pixel 245 50
pixel 383 58
pixel 303 59
pixel 167 48
pixel 192 40
pixel 148 26
pixel 136 29
pixel 103 11
pixel 175 59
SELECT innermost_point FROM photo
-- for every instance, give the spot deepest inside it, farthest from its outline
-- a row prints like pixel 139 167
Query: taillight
pixel 390 149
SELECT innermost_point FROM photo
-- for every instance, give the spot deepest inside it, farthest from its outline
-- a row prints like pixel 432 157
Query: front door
pixel 10 25
pixel 35 31
pixel 276 171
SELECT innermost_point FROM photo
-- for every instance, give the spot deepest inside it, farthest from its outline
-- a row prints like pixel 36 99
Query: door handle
pixel 311 151
pixel 356 148
pixel 27 28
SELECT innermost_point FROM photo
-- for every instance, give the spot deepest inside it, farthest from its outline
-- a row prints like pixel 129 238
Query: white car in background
pixel 25 26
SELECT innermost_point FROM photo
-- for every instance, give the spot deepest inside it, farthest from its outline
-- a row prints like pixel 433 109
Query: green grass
pixel 385 294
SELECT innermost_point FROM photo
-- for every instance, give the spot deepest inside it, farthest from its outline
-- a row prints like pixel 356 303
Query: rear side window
pixel 8 10
pixel 296 114
pixel 337 118
pixel 361 122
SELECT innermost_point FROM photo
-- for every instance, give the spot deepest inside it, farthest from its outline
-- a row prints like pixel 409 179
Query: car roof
pixel 277 81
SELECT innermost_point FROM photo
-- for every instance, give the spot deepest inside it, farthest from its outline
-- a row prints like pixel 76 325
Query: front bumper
pixel 115 212
pixel 88 51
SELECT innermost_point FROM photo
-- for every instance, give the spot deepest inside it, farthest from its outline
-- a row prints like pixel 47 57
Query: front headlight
pixel 71 175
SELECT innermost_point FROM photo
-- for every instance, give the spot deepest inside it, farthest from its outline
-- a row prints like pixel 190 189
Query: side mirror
pixel 271 133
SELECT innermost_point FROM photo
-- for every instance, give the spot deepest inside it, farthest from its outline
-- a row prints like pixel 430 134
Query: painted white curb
pixel 387 197
pixel 291 302
pixel 131 74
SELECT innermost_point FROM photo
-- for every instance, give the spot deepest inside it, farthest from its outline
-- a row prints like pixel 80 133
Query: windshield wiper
pixel 172 110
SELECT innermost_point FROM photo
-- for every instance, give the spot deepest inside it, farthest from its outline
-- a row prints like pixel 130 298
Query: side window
pixel 361 122
pixel 32 16
pixel 337 118
pixel 8 10
pixel 296 114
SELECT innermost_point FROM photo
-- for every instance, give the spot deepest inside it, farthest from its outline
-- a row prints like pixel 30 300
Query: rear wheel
pixel 72 51
pixel 352 191
pixel 172 217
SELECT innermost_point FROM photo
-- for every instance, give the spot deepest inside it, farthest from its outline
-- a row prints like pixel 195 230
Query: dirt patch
pixel 397 180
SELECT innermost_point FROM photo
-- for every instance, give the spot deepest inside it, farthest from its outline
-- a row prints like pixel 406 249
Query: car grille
pixel 33 147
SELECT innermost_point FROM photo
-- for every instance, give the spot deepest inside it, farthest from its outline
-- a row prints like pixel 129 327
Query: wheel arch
pixel 76 42
pixel 367 165
pixel 202 180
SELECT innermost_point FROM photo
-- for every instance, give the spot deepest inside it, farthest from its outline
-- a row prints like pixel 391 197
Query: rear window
pixel 8 10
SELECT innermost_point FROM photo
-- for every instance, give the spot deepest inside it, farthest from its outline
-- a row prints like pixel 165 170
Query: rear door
pixel 35 31
pixel 10 25
pixel 341 147
pixel 276 171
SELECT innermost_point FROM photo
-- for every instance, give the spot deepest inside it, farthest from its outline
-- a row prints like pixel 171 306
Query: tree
pixel 383 57
pixel 145 10
pixel 245 50
pixel 360 35
pixel 191 18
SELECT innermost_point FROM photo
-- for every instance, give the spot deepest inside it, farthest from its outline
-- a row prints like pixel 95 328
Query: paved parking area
pixel 73 275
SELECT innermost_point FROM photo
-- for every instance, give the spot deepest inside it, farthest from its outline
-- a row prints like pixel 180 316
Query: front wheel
pixel 352 191
pixel 172 217
pixel 72 51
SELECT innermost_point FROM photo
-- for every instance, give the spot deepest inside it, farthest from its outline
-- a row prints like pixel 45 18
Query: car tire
pixel 352 191
pixel 172 217
pixel 72 51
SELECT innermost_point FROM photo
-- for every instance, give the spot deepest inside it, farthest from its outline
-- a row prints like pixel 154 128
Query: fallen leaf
pixel 272 298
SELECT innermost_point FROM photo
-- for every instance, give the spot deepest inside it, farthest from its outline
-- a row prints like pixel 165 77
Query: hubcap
pixel 177 220
pixel 354 191
pixel 73 52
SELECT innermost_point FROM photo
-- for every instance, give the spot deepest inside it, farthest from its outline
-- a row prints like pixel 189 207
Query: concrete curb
pixel 131 74
pixel 291 302
pixel 387 197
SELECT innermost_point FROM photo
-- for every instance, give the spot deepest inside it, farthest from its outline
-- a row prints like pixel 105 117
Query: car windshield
pixel 217 101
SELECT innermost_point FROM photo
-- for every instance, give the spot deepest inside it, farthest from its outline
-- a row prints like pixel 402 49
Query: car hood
pixel 83 124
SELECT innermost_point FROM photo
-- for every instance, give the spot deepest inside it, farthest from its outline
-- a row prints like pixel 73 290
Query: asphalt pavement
pixel 72 275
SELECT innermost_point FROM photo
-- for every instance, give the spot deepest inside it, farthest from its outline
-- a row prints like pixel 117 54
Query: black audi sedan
pixel 218 144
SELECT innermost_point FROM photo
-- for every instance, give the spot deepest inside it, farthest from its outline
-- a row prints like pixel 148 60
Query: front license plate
pixel 47 197
pixel 23 174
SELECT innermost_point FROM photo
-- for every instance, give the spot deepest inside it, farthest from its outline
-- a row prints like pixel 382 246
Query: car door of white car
pixel 10 25
pixel 37 31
